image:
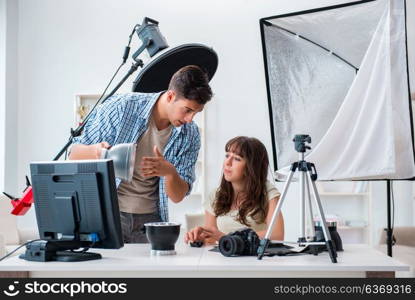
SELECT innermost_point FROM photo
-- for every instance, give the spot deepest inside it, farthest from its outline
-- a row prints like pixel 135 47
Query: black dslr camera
pixel 299 142
pixel 240 242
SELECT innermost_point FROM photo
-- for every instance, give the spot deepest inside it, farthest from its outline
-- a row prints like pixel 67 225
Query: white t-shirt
pixel 227 223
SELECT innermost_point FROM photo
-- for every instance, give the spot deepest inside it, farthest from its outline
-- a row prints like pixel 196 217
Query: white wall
pixel 8 95
pixel 410 8
pixel 69 47
pixel 2 88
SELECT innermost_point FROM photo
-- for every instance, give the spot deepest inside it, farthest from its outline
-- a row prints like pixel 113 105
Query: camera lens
pixel 231 245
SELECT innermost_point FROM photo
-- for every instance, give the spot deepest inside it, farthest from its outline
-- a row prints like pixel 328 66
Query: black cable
pixel 393 207
pixel 127 48
pixel 85 249
pixel 66 151
pixel 27 243
pixel 87 117
pixel 125 56
pixel 103 93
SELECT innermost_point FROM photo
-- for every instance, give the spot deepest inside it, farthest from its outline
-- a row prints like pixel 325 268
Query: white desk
pixel 134 260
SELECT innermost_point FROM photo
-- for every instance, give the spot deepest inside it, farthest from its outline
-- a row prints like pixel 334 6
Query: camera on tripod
pixel 307 177
pixel 299 142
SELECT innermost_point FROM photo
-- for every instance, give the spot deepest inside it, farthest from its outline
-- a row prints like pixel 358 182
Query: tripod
pixel 307 176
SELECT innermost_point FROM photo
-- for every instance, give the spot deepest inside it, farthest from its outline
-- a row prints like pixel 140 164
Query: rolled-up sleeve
pixel 272 191
pixel 103 124
pixel 186 162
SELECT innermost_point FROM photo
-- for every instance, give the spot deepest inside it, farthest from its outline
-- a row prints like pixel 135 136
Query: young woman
pixel 245 198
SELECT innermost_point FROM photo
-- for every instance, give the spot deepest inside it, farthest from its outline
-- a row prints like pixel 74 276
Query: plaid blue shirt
pixel 123 118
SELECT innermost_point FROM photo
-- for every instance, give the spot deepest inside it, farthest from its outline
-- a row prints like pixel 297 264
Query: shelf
pixel 342 194
pixel 352 227
pixel 83 105
pixel 198 194
pixel 356 225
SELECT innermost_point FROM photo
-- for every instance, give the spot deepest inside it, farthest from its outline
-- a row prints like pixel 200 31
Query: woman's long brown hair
pixel 253 201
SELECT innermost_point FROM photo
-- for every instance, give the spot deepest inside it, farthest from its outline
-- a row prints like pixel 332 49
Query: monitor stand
pixel 55 251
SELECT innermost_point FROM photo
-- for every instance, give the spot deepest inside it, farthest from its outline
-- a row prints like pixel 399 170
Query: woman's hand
pixel 214 236
pixel 196 234
pixel 203 234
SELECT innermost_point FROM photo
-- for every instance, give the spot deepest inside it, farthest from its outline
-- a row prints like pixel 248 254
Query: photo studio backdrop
pixel 340 74
pixel 40 28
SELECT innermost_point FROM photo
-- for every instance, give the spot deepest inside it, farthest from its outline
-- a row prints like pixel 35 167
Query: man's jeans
pixel 131 225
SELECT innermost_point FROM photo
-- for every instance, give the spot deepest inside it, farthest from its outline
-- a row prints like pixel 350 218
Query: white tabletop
pixel 137 257
pixel 353 258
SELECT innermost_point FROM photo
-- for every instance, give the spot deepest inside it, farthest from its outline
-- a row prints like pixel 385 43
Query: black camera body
pixel 299 142
pixel 335 237
pixel 241 242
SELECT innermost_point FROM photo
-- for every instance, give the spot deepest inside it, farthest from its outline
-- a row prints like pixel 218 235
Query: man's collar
pixel 149 111
pixel 151 104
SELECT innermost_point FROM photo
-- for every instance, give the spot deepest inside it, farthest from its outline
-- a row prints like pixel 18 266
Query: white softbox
pixel 340 74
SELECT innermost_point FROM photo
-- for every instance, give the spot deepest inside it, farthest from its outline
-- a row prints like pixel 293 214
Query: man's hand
pixel 156 165
pixel 176 187
pixel 79 151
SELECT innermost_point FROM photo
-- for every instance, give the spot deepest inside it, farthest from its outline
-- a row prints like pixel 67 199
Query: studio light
pixel 340 75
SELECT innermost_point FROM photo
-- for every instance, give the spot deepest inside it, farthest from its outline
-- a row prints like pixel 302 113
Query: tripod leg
pixel 327 236
pixel 265 242
pixel 311 233
pixel 302 239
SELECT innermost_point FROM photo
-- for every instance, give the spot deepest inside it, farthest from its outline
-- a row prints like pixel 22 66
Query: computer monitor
pixel 76 207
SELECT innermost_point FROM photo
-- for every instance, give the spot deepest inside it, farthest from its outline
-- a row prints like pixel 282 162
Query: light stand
pixel 389 231
pixel 78 131
pixel 308 176
pixel 153 41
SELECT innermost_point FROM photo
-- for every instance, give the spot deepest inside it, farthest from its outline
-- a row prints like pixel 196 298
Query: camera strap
pixel 284 251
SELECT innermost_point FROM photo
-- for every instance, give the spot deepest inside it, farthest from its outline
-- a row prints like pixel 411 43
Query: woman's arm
pixel 211 225
pixel 278 230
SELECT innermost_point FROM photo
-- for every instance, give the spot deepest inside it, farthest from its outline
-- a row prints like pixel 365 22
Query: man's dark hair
pixel 192 83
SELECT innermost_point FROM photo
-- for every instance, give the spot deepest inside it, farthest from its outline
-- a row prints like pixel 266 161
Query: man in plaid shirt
pixel 168 144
